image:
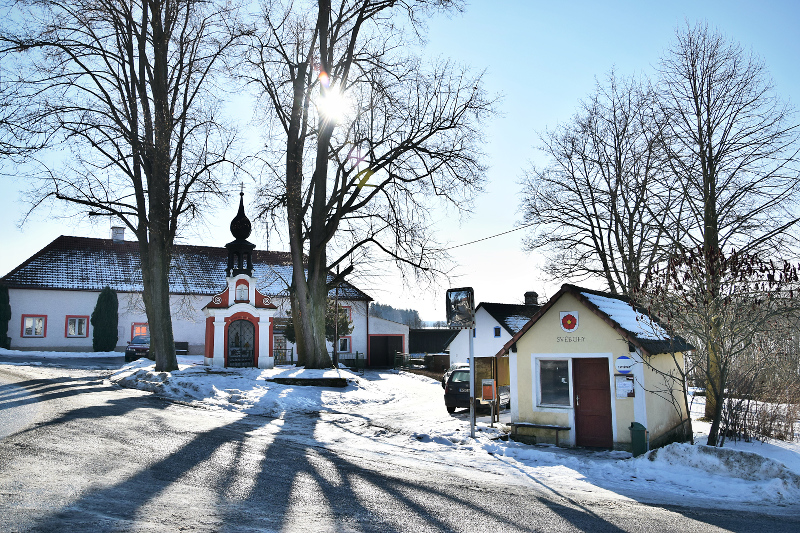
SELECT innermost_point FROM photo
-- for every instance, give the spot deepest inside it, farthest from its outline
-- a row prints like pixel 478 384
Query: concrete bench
pixel 181 348
pixel 557 429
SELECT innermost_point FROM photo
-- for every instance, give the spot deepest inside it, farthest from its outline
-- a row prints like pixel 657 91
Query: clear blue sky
pixel 543 57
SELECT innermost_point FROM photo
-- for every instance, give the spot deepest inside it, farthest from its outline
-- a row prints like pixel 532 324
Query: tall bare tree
pixel 593 206
pixel 123 92
pixel 365 136
pixel 733 156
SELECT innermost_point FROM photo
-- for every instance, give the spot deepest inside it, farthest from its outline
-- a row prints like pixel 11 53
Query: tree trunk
pixel 155 274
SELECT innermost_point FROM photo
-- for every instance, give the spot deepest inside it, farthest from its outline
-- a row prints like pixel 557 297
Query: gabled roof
pixel 82 263
pixel 511 316
pixel 634 324
pixel 430 340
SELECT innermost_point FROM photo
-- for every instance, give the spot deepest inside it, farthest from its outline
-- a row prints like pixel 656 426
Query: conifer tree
pixel 104 321
pixel 5 316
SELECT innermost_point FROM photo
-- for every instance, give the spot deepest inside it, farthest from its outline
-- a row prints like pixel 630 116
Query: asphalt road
pixel 81 454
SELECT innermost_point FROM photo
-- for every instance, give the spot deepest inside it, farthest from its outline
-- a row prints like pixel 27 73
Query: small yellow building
pixel 587 366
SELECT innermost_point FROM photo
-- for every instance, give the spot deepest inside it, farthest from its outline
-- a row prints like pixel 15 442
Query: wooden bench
pixel 515 425
pixel 181 348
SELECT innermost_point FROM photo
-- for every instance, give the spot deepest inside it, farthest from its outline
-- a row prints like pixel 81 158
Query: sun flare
pixel 334 105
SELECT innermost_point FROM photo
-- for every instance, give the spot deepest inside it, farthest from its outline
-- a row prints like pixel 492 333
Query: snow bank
pixel 250 389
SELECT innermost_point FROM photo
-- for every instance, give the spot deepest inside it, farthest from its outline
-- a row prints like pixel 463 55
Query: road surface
pixel 81 454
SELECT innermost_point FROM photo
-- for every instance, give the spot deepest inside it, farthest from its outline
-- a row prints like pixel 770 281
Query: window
pixel 139 328
pixel 474 332
pixel 347 309
pixel 34 326
pixel 77 326
pixel 554 382
pixel 497 331
pixel 344 345
pixel 242 292
pixel 460 376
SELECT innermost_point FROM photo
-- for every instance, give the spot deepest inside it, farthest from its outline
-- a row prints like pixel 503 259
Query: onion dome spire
pixel 240 225
pixel 240 251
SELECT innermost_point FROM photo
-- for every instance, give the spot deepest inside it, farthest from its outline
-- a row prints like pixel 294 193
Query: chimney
pixel 117 234
pixel 531 298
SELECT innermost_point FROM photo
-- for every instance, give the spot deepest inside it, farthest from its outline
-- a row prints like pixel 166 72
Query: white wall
pixel 485 344
pixel 188 320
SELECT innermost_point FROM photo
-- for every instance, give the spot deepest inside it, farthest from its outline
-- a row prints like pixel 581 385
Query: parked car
pixel 137 348
pixel 456 389
pixel 450 370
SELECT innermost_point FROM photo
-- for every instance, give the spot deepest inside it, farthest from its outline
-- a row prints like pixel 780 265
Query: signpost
pixel 460 307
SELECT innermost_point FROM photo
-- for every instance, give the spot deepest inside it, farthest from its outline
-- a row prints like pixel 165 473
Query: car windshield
pixel 141 339
pixel 460 376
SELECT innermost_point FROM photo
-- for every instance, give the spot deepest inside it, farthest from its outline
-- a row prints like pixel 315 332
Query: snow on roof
pixel 81 263
pixel 510 316
pixel 621 312
pixel 515 322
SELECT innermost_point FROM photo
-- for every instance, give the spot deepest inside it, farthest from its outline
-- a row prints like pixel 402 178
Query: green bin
pixel 638 439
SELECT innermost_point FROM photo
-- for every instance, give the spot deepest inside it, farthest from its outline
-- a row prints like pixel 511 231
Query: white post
pixel 471 383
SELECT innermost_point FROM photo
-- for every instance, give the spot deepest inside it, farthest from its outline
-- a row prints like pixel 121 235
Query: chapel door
pixel 241 343
pixel 592 403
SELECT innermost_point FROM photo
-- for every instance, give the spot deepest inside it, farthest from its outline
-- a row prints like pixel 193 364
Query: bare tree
pixel 364 136
pixel 127 89
pixel 594 205
pixel 753 296
pixel 732 155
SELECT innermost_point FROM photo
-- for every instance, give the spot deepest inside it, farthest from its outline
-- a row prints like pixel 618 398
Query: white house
pixel 54 292
pixel 495 324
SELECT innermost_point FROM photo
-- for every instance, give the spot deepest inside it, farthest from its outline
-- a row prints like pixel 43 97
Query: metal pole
pixel 471 382
pixel 336 326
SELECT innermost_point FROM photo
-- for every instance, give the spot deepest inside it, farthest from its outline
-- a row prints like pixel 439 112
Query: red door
pixel 592 403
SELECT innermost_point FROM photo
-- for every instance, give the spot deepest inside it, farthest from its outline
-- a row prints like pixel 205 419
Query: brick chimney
pixel 531 298
pixel 117 234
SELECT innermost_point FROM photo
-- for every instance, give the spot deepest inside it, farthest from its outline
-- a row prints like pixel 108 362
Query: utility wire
pixel 468 243
pixel 490 237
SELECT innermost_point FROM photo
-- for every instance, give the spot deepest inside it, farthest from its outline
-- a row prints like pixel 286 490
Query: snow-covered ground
pixel 403 414
pixel 59 355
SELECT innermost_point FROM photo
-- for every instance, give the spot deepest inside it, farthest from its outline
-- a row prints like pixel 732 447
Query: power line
pixel 490 237
pixel 466 243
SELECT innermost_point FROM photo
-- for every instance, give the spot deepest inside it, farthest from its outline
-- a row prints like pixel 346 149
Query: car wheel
pixel 451 410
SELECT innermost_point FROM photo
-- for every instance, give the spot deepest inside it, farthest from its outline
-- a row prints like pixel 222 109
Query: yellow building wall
pixel 593 338
pixel 660 374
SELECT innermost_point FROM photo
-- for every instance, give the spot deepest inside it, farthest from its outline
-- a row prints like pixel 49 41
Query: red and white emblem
pixel 569 321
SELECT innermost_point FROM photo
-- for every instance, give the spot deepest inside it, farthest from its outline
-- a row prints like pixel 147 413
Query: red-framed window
pixel 139 328
pixel 349 310
pixel 33 326
pixel 345 344
pixel 242 291
pixel 76 326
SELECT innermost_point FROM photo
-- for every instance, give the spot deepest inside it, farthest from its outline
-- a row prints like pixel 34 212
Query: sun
pixel 334 105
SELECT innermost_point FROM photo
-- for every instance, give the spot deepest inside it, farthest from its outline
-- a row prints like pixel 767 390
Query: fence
pixel 354 360
pixel 283 356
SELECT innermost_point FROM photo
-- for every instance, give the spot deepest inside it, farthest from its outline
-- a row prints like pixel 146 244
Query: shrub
pixel 104 321
pixel 5 316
